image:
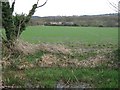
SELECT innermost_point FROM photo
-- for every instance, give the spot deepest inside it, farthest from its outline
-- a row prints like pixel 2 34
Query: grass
pixel 101 76
pixel 36 34
pixel 83 75
pixel 48 77
pixel 33 57
pixel 75 38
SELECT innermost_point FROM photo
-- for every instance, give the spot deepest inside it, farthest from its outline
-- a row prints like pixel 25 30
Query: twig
pixel 42 4
pixel 114 5
pixel 37 2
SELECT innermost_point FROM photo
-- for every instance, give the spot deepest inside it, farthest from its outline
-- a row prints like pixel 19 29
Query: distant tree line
pixel 105 20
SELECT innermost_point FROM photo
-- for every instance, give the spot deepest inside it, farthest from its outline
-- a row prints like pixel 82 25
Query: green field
pixel 35 34
pixel 92 60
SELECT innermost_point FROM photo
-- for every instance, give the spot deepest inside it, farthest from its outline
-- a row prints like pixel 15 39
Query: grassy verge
pixel 48 77
pixel 100 76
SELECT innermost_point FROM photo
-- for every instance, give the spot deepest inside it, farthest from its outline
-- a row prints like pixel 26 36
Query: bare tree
pixel 115 6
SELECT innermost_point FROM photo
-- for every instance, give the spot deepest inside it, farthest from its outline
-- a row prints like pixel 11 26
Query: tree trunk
pixel 14 25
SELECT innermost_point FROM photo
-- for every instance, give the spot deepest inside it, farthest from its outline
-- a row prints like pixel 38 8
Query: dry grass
pixel 58 55
pixel 92 61
pixel 49 60
pixel 28 48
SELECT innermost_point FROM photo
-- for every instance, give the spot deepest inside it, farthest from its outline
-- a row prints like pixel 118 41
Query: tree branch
pixel 37 2
pixel 42 4
pixel 13 4
pixel 32 11
pixel 114 6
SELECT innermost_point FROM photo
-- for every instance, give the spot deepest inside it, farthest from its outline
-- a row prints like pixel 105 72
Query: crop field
pixel 64 57
pixel 36 34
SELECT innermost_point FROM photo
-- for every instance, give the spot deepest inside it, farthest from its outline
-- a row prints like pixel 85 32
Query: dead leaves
pixel 25 65
pixel 49 60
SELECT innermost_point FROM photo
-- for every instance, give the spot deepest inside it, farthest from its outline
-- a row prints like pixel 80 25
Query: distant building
pixel 68 23
pixel 56 23
pixel 60 24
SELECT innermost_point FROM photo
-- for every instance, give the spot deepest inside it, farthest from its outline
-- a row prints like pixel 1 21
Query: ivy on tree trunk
pixel 15 25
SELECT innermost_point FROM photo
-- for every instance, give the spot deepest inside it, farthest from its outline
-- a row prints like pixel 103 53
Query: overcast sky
pixel 66 7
